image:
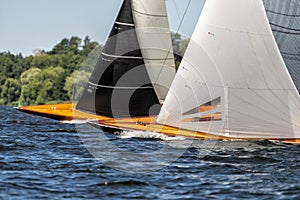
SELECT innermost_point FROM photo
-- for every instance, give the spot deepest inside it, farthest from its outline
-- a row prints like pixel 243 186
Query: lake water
pixel 47 159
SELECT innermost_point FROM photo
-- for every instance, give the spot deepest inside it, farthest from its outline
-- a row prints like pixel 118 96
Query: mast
pixel 233 71
pixel 120 85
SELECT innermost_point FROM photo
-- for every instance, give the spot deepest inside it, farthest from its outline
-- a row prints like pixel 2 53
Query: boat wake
pixel 77 121
pixel 147 135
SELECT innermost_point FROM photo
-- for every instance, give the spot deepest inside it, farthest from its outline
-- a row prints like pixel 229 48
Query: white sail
pixel 233 64
pixel 153 32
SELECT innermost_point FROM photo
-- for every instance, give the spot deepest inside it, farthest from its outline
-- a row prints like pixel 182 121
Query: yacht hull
pixel 67 112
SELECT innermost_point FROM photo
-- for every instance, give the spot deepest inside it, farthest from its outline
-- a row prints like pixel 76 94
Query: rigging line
pixel 171 47
pixel 177 11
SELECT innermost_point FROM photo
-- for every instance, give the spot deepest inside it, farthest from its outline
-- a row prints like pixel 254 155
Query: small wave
pixel 147 135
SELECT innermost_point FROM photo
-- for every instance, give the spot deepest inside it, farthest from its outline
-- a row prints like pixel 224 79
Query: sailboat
pixel 239 78
pixel 133 73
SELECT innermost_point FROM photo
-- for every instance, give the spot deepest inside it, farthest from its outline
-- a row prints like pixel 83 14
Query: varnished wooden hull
pixel 148 124
pixel 67 112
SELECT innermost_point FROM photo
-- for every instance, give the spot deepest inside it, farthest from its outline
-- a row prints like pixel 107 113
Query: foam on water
pixel 77 121
pixel 148 135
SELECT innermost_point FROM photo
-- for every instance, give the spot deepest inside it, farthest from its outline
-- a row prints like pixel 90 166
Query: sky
pixel 26 25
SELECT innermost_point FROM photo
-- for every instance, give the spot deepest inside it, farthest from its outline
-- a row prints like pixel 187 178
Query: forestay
pixel 233 66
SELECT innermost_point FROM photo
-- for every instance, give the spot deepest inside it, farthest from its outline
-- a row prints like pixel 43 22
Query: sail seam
pixel 124 24
pixel 158 58
pixel 118 87
pixel 283 14
pixel 132 57
pixel 285 32
pixel 290 54
pixel 126 57
pixel 147 14
pixel 287 28
pixel 250 88
pixel 262 108
pixel 240 31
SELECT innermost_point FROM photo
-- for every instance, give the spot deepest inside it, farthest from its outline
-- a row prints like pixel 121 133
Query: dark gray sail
pixel 284 18
pixel 120 85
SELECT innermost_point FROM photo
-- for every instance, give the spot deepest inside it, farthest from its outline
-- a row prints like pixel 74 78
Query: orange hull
pixel 67 112
pixel 63 112
pixel 148 124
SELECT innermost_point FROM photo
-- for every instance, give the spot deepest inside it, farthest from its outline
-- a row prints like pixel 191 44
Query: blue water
pixel 46 159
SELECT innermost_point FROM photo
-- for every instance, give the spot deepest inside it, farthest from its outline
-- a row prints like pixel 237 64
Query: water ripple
pixel 46 159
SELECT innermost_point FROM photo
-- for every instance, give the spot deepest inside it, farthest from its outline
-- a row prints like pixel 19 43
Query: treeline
pixel 44 76
pixel 48 77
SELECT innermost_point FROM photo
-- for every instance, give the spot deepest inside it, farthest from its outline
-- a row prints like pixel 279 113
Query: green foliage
pixel 52 76
pixel 11 67
pixel 88 46
pixel 11 91
pixel 75 84
pixel 179 47
pixel 90 62
pixel 40 86
pixel 42 78
pixel 30 85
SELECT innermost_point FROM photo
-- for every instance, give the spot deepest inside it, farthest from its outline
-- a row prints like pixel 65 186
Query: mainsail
pixel 233 71
pixel 121 84
pixel 284 18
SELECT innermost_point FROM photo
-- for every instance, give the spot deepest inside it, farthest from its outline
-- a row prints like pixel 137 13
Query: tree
pixel 10 66
pixel 60 47
pixel 74 45
pixel 75 84
pixel 67 46
pixel 179 47
pixel 11 91
pixel 40 86
pixel 51 76
pixel 53 81
pixel 31 85
pixel 88 46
